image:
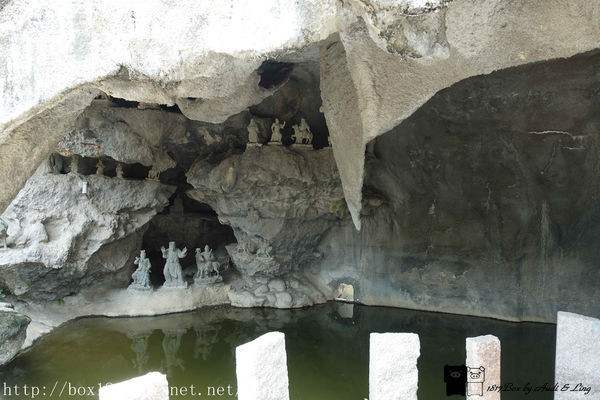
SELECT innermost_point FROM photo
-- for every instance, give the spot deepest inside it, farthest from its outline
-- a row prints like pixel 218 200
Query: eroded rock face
pixel 62 240
pixel 279 201
pixel 483 201
pixel 13 327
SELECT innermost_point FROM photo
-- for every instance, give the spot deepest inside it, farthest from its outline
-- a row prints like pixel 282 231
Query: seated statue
pixel 3 234
pixel 207 264
pixel 172 271
pixel 141 276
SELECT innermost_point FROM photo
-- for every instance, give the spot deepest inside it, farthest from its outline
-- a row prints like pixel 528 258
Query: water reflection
pixel 327 349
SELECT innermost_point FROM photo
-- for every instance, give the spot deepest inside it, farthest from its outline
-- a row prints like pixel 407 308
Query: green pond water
pixel 327 350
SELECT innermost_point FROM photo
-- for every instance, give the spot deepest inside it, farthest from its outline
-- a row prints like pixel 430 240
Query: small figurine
pixel 141 276
pixel 120 171
pixel 172 271
pixel 302 133
pixel 207 264
pixel 264 252
pixel 99 168
pixel 276 131
pixel 3 234
pixel 253 133
pixel 75 164
pixel 153 174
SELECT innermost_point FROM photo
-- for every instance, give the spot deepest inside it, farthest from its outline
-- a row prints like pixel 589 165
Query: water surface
pixel 327 349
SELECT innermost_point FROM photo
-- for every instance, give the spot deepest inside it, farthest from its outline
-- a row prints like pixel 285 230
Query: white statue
pixel 141 276
pixel 75 164
pixel 3 234
pixel 99 168
pixel 276 131
pixel 120 171
pixel 172 271
pixel 302 133
pixel 153 174
pixel 207 264
pixel 252 132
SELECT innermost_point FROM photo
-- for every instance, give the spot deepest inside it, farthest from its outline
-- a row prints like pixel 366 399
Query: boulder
pixel 13 328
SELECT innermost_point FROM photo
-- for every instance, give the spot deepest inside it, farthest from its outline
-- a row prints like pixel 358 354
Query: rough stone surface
pixel 577 356
pixel 279 201
pixel 13 328
pixel 152 386
pixel 380 89
pixel 482 202
pixel 61 240
pixel 483 367
pixel 261 368
pixel 393 373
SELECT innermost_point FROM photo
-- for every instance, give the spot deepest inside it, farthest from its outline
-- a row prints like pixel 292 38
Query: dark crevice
pixel 273 73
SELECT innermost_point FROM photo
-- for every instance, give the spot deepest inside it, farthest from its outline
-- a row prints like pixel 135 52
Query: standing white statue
pixel 302 133
pixel 141 276
pixel 100 168
pixel 276 131
pixel 75 164
pixel 207 264
pixel 172 271
pixel 3 235
pixel 119 171
pixel 252 133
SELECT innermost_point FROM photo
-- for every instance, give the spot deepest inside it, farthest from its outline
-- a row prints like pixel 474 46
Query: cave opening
pixel 190 224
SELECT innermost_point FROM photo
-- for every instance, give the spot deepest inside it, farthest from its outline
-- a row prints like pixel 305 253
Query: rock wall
pixel 61 240
pixel 483 202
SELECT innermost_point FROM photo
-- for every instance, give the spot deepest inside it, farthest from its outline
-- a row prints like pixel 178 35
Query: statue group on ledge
pixel 302 134
pixel 206 263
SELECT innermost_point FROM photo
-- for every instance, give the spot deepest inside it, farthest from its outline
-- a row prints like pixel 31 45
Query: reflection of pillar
pixel 170 344
pixel 139 345
pixel 206 337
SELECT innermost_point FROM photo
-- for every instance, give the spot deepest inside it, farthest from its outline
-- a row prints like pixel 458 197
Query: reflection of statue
pixel 276 131
pixel 120 171
pixel 206 337
pixel 139 345
pixel 170 344
pixel 252 132
pixel 172 271
pixel 99 168
pixel 302 133
pixel 3 234
pixel 141 276
pixel 206 263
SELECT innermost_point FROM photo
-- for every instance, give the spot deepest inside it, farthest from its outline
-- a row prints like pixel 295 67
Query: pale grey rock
pixel 152 386
pixel 380 89
pixel 272 197
pixel 393 373
pixel 62 240
pixel 577 356
pixel 13 328
pixel 127 135
pixel 483 367
pixel 293 290
pixel 261 368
